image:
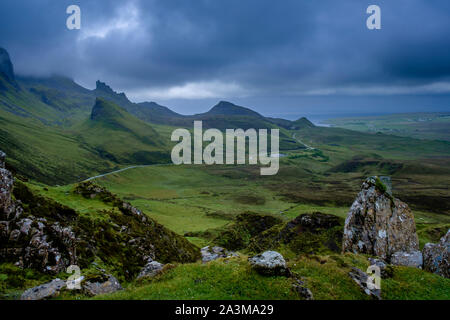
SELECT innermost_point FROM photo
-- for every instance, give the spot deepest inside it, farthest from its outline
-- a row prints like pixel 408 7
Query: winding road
pixel 301 142
pixel 124 169
pixel 164 164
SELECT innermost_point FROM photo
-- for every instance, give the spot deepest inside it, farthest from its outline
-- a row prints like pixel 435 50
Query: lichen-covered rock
pixel 436 256
pixel 102 287
pixel 214 253
pixel 378 224
pixel 407 259
pixel 30 241
pixel 7 207
pixel 385 270
pixel 362 279
pixel 151 269
pixel 2 159
pixel 270 263
pixel 27 240
pixel 300 287
pixel 44 291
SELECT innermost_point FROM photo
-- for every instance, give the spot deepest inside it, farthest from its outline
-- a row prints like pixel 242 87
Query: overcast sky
pixel 285 58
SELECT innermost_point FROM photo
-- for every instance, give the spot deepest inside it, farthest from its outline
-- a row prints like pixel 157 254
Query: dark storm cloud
pixel 253 50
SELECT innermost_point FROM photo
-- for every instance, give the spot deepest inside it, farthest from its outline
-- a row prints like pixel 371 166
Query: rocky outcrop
pixel 385 270
pixel 270 263
pixel 436 256
pixel 7 205
pixel 151 269
pixel 39 233
pixel 214 253
pixel 98 284
pixel 378 224
pixel 44 291
pixel 133 236
pixel 6 67
pixel 362 279
pixel 30 241
pixel 407 259
pixel 105 286
pixel 300 287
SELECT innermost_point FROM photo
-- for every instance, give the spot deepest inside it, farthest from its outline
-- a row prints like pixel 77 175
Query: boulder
pixel 2 159
pixel 270 263
pixel 102 287
pixel 407 259
pixel 436 256
pixel 213 253
pixel 44 291
pixel 362 279
pixel 7 207
pixel 378 224
pixel 151 269
pixel 385 270
pixel 300 287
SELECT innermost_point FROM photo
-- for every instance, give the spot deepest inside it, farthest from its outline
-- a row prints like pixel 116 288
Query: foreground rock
pixel 300 287
pixel 151 269
pixel 379 224
pixel 214 253
pixel 362 279
pixel 111 285
pixel 436 256
pixel 30 241
pixel 44 291
pixel 385 270
pixel 407 259
pixel 270 263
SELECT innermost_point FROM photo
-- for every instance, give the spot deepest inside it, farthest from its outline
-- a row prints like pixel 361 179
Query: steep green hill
pixel 120 136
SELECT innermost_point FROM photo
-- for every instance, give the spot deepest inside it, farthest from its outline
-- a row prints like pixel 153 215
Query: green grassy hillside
pixel 121 137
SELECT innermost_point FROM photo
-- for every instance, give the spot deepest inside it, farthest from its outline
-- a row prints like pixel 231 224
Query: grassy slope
pixel 120 136
pixel 326 276
pixel 47 153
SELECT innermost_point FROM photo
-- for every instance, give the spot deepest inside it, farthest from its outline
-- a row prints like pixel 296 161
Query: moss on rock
pixel 237 235
pixel 308 233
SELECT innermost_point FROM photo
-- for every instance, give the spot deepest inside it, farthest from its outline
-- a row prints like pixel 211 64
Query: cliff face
pixel 379 224
pixel 6 67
